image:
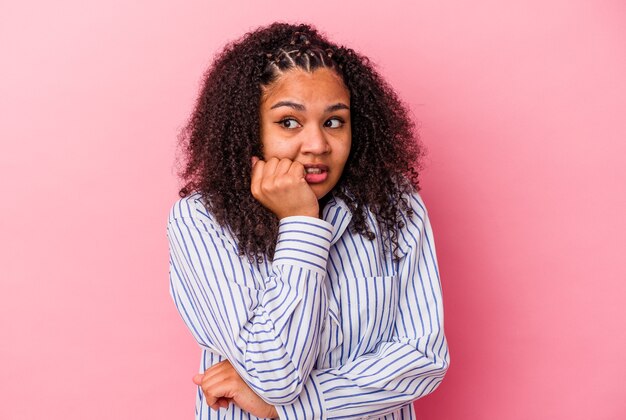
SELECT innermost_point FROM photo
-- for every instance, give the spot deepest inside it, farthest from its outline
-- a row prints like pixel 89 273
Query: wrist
pixel 307 213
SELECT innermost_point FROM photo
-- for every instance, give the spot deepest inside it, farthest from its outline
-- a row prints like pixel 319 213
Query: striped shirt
pixel 332 328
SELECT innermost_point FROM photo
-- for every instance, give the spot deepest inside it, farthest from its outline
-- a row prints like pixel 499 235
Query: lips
pixel 315 173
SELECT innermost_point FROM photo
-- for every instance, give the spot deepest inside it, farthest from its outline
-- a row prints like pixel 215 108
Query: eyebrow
pixel 300 107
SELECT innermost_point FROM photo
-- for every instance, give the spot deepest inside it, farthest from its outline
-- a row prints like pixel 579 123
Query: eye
pixel 334 123
pixel 289 123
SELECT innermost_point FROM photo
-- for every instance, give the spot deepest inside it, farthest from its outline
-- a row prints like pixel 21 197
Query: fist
pixel 280 186
pixel 222 385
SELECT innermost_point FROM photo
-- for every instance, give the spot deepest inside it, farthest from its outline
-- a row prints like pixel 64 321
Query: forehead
pixel 321 85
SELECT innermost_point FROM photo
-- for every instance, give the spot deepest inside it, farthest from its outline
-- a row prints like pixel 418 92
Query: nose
pixel 315 141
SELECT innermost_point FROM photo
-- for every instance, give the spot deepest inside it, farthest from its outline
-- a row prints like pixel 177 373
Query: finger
pixel 213 392
pixel 215 370
pixel 297 169
pixel 211 400
pixel 270 167
pixel 216 365
pixel 197 378
pixel 209 390
pixel 256 177
pixel 266 183
pixel 223 402
pixel 258 167
pixel 283 166
pixel 214 384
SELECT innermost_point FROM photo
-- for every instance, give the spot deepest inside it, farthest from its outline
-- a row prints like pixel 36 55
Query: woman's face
pixel 305 117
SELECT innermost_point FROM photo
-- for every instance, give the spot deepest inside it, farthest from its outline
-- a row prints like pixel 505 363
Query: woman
pixel 301 255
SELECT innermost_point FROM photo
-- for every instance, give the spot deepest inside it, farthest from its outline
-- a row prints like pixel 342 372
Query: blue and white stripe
pixel 332 328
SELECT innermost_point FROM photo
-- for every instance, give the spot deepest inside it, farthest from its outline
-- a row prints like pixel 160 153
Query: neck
pixel 322 203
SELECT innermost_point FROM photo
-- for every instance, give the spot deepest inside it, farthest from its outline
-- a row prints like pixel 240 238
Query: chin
pixel 320 193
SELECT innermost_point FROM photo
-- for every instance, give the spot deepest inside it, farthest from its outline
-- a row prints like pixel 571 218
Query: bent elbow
pixel 288 398
pixel 285 392
pixel 443 364
pixel 433 379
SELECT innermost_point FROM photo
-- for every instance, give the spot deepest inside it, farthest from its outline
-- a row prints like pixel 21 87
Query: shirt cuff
pixel 309 405
pixel 303 241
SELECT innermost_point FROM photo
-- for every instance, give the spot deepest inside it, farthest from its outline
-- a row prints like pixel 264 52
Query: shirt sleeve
pixel 408 366
pixel 268 328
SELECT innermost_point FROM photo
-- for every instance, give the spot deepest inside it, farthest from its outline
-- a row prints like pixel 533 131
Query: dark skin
pixel 222 385
pixel 316 132
pixel 222 131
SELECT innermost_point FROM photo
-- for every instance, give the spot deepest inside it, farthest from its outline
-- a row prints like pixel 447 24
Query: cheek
pixel 273 144
pixel 345 152
pixel 273 147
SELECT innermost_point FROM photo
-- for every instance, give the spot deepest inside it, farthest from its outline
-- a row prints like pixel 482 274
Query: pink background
pixel 522 105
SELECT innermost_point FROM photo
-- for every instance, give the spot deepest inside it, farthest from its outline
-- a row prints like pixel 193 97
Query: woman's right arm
pixel 268 332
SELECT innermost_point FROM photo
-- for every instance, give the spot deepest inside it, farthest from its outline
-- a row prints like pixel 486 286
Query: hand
pixel 280 186
pixel 221 385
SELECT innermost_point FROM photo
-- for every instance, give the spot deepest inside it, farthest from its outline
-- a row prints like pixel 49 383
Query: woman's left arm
pixel 409 366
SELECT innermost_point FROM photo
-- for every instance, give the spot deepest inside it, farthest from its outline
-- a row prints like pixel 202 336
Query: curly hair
pixel 223 133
